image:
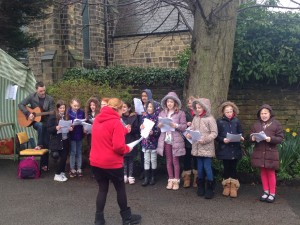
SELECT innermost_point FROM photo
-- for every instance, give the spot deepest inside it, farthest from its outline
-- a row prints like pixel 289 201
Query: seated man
pixel 46 104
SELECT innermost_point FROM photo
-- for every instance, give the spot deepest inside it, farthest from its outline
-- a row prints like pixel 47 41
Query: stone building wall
pixel 153 51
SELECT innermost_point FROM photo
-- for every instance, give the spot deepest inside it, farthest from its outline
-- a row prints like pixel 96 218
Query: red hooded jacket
pixel 108 140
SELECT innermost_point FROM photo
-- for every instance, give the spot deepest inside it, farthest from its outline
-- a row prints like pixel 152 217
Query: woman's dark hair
pixel 88 108
pixel 129 106
pixel 58 104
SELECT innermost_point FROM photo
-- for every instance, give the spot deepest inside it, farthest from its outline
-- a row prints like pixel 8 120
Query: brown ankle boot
pixel 234 186
pixel 226 186
pixel 186 175
pixel 195 173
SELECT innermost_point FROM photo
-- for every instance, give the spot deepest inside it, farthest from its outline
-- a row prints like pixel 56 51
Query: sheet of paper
pixel 234 137
pixel 11 92
pixel 87 127
pixel 148 125
pixel 259 136
pixel 134 143
pixel 78 121
pixel 65 125
pixel 138 105
pixel 166 124
pixel 196 135
pixel 92 120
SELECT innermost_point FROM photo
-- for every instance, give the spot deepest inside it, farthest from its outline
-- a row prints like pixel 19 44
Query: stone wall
pixel 285 103
pixel 153 51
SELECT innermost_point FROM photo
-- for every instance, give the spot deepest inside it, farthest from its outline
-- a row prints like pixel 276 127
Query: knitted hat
pixel 171 95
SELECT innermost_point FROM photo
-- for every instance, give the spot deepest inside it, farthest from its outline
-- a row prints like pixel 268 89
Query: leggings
pixel 103 176
pixel 63 154
pixel 128 166
pixel 268 179
pixel 172 162
pixel 150 158
pixel 189 161
pixel 230 168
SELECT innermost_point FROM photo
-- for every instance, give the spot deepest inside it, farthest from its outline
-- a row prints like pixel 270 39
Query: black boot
pixel 147 178
pixel 200 187
pixel 129 218
pixel 99 219
pixel 209 194
pixel 152 181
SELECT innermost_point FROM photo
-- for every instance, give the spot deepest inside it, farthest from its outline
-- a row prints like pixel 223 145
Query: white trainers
pixel 63 175
pixel 60 178
pixel 125 179
pixel 131 180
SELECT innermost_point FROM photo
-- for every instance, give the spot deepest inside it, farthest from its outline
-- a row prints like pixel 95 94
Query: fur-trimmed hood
pixel 265 106
pixel 171 95
pixel 228 103
pixel 205 103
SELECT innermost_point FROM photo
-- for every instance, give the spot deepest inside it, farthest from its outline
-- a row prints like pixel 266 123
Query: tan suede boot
pixel 234 186
pixel 226 186
pixel 186 175
pixel 195 173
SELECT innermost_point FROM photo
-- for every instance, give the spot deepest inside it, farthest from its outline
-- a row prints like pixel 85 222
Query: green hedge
pixel 135 76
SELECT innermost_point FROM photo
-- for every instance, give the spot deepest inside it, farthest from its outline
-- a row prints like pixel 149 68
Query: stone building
pixel 92 34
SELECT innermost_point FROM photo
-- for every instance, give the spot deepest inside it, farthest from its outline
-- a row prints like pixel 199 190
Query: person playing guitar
pixel 46 103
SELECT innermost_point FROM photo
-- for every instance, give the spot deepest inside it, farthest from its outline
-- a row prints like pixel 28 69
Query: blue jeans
pixel 204 163
pixel 76 147
pixel 43 136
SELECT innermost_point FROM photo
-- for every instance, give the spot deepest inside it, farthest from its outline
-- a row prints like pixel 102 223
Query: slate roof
pixel 138 19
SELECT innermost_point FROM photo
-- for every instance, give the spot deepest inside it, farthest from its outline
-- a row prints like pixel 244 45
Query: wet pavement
pixel 46 202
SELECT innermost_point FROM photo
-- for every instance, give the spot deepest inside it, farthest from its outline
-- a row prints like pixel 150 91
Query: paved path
pixel 45 202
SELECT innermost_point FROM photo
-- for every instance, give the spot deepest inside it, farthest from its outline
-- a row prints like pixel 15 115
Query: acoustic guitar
pixel 25 122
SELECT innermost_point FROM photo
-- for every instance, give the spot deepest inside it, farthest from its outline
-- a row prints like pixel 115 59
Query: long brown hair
pixel 88 108
pixel 58 104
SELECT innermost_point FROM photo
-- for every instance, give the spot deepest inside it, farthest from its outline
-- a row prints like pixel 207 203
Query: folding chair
pixel 23 140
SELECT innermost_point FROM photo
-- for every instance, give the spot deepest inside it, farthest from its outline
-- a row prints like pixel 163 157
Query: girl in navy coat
pixel 229 152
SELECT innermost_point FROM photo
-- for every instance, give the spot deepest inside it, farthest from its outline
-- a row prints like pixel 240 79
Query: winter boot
pixel 170 184
pixel 234 186
pixel 226 186
pixel 186 175
pixel 210 186
pixel 200 187
pixel 147 178
pixel 152 180
pixel 99 219
pixel 129 218
pixel 176 184
pixel 195 172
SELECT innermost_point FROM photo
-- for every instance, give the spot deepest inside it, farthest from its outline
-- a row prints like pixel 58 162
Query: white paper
pixel 65 126
pixel 259 136
pixel 134 143
pixel 138 105
pixel 92 120
pixel 234 137
pixel 148 125
pixel 87 127
pixel 166 124
pixel 11 92
pixel 78 121
pixel 196 135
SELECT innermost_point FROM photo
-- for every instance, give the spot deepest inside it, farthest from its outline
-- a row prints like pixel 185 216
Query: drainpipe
pixel 106 32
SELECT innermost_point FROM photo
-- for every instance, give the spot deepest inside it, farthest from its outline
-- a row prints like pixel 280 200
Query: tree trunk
pixel 212 45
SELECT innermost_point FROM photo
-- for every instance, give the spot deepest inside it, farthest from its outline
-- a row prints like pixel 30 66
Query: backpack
pixel 28 168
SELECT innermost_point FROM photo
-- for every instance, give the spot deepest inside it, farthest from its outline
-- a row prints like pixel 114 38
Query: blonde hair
pixel 115 103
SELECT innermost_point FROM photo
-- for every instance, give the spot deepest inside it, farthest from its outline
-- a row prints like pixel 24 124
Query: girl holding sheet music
pixel 74 112
pixel 59 142
pixel 265 154
pixel 130 121
pixel 228 150
pixel 204 149
pixel 170 140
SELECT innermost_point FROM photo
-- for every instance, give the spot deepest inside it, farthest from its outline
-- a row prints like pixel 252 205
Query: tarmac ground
pixel 46 202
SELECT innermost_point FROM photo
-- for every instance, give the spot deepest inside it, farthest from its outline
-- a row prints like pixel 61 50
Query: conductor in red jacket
pixel 106 158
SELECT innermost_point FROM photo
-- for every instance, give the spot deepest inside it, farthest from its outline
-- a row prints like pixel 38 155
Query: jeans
pixel 43 136
pixel 204 163
pixel 75 154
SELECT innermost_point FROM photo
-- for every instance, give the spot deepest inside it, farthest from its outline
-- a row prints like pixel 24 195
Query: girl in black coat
pixel 130 121
pixel 59 143
pixel 229 152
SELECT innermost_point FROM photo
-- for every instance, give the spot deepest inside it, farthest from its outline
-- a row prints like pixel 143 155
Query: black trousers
pixel 63 154
pixel 189 161
pixel 230 168
pixel 116 176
